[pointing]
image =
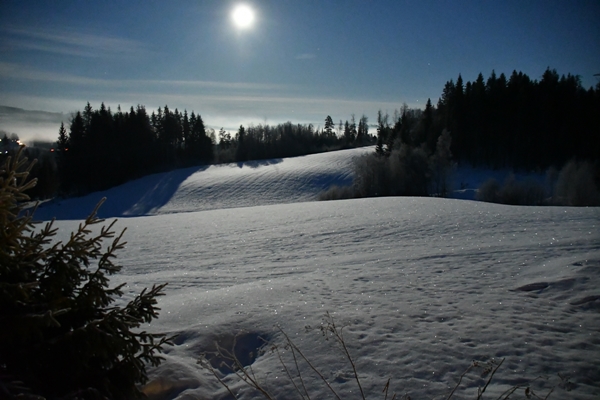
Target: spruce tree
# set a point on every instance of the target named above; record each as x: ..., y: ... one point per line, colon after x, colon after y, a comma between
x: 61, y: 336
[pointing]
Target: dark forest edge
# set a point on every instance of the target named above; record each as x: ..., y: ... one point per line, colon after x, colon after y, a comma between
x: 552, y: 125
x: 501, y: 122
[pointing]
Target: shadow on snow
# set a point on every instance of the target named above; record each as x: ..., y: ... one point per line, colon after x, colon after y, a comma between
x: 142, y: 196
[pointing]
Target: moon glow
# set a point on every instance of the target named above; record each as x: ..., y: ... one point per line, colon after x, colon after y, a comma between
x: 242, y: 16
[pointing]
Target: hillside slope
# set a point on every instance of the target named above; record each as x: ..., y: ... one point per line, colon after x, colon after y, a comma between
x: 252, y: 183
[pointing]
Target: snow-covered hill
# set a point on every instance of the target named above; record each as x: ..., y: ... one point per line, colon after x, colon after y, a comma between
x: 423, y: 285
x: 212, y: 187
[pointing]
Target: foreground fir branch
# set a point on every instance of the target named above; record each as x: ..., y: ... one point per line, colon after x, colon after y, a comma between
x: 61, y: 336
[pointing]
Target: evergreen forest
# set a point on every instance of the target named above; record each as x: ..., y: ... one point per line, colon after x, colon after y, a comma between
x: 498, y: 122
x: 101, y: 148
x: 517, y: 122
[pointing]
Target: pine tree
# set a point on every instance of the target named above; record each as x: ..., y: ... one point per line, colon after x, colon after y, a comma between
x: 348, y: 138
x: 62, y: 148
x: 353, y: 131
x: 77, y: 134
x: 198, y: 145
x: 241, y: 153
x: 405, y: 125
x: 224, y: 139
x: 381, y: 134
x: 61, y: 336
x: 76, y: 163
x: 329, y: 127
x: 63, y: 138
x: 88, y: 111
x: 362, y: 136
x: 428, y: 134
x: 442, y: 164
x: 206, y: 152
x: 186, y: 124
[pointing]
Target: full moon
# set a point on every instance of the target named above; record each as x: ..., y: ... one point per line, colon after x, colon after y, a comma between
x: 242, y: 16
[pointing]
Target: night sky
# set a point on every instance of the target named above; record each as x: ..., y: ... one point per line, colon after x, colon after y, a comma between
x: 298, y: 61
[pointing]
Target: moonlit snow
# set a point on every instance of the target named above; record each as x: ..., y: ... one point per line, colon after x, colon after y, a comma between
x: 423, y: 285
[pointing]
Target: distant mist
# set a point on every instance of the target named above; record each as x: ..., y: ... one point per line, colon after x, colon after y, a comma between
x: 31, y: 125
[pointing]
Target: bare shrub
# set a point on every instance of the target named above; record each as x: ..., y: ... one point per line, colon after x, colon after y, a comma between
x: 576, y: 185
x: 489, y: 191
x: 336, y: 192
x: 371, y: 175
x: 513, y: 192
x: 442, y: 166
x: 528, y: 193
x: 292, y: 365
x: 297, y: 367
x: 405, y: 172
x: 411, y: 172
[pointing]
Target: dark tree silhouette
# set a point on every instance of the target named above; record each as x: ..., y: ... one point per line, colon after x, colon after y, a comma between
x: 520, y: 122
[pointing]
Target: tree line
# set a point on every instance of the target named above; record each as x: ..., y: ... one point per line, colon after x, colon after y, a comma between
x: 291, y: 140
x: 516, y: 122
x: 102, y: 148
x: 519, y: 122
x: 495, y: 122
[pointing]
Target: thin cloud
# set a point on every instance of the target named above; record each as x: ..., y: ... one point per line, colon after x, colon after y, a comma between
x: 232, y: 111
x: 71, y: 42
x: 305, y: 56
x: 281, y: 108
x: 257, y: 98
x: 18, y: 71
x: 219, y: 85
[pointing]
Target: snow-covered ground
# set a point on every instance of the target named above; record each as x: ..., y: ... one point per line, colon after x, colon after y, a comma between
x: 423, y: 285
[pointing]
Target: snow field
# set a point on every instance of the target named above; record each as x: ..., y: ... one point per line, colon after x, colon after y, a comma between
x: 424, y: 285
